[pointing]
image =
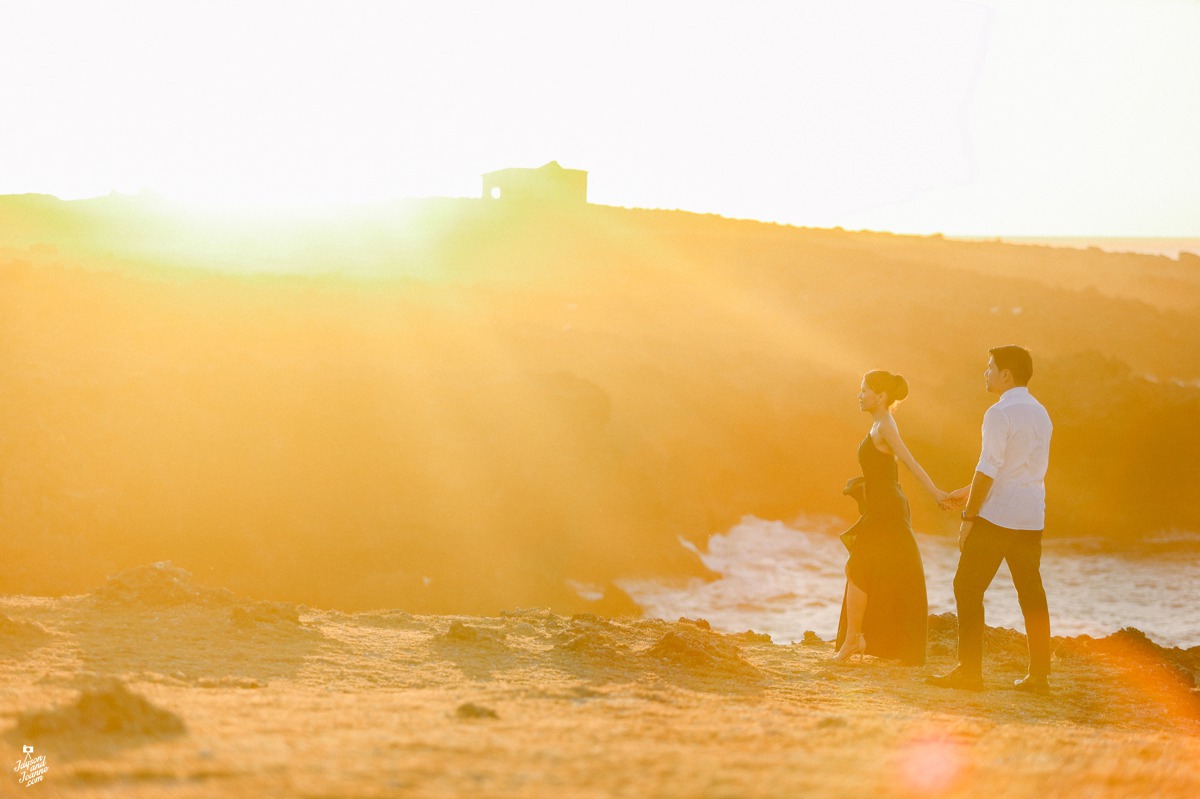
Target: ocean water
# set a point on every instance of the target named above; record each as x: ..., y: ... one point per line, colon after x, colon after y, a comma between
x: 785, y: 579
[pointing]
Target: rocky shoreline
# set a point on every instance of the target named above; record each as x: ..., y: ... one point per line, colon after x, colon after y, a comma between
x: 154, y: 685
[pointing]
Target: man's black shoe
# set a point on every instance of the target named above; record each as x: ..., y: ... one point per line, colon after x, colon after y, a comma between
x: 956, y: 679
x: 1032, y: 685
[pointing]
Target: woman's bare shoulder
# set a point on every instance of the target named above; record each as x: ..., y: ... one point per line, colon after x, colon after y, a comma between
x: 881, y: 432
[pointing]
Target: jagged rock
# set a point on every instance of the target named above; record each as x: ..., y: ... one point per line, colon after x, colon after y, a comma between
x: 111, y: 709
x: 161, y: 583
x: 265, y: 612
x: 701, y: 623
x: 470, y: 710
x: 699, y: 651
x: 755, y: 638
x: 460, y: 633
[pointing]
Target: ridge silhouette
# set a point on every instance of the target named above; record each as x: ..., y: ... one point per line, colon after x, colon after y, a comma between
x: 459, y: 406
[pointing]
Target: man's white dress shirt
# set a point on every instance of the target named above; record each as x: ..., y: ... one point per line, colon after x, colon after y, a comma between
x: 1015, y: 454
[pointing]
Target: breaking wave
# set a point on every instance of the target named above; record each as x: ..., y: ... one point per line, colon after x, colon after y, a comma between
x: 785, y: 579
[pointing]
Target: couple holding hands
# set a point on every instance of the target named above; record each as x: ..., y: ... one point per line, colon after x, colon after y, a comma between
x: 884, y: 611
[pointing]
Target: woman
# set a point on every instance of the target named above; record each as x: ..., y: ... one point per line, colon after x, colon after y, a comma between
x: 884, y: 608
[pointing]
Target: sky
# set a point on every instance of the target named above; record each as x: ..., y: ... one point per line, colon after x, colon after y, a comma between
x: 1054, y: 117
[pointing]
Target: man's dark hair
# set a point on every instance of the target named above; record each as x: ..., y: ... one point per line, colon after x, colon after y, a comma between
x: 1016, y: 360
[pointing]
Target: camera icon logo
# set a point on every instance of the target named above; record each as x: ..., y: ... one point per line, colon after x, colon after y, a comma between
x: 27, y: 749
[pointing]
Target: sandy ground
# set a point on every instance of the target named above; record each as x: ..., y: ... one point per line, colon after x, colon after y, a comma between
x: 154, y: 686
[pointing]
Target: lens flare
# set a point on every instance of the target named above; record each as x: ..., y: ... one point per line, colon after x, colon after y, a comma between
x: 931, y: 765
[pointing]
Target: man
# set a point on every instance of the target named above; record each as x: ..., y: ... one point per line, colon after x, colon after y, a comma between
x: 1003, y: 520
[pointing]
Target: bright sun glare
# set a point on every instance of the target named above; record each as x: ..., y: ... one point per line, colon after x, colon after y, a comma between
x: 1021, y: 118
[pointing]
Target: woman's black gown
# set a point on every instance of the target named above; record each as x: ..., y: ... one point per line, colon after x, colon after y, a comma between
x: 886, y: 564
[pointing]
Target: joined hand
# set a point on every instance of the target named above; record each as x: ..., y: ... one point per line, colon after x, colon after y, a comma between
x: 956, y: 500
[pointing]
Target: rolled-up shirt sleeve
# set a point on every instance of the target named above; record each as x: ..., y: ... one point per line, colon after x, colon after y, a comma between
x: 995, y: 440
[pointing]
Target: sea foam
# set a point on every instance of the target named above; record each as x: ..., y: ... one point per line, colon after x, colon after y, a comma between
x: 784, y: 579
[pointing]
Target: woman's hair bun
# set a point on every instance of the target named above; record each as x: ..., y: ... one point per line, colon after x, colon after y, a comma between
x: 880, y: 381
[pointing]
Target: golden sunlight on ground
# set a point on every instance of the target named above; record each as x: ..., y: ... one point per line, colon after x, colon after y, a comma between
x: 153, y: 685
x: 373, y: 437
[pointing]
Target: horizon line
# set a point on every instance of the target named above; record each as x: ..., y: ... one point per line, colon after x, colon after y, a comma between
x: 299, y: 207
